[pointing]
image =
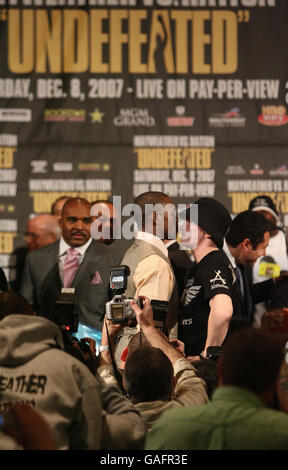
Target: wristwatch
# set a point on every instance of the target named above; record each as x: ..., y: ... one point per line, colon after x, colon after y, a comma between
x: 103, y: 348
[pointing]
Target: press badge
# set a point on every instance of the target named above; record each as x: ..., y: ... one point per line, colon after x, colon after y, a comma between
x: 269, y: 269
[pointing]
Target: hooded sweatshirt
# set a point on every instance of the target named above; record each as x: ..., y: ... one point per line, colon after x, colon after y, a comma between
x: 35, y: 369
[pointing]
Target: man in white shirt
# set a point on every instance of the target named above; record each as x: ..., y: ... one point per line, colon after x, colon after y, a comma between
x: 151, y: 273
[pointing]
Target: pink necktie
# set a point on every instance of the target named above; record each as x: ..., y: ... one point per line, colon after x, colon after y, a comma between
x: 71, y: 265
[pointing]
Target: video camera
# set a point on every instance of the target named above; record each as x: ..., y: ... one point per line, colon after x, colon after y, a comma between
x: 119, y: 309
x: 67, y: 320
x: 65, y: 317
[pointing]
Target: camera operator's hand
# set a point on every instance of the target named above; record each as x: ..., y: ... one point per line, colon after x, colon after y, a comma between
x: 113, y: 330
x: 110, y: 331
x: 178, y: 345
x: 144, y: 316
x: 91, y: 343
x: 156, y: 338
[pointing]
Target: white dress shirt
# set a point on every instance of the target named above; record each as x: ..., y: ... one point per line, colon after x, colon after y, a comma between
x: 153, y: 276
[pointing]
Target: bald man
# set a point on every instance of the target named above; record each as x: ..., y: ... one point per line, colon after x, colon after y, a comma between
x: 41, y: 230
x: 46, y: 271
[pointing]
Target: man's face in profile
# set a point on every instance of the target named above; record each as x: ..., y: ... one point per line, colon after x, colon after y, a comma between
x: 248, y: 255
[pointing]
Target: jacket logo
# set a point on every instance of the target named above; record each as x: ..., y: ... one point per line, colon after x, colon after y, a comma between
x: 218, y: 281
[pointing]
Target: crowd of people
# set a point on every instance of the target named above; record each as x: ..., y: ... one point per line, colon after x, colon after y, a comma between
x: 199, y: 360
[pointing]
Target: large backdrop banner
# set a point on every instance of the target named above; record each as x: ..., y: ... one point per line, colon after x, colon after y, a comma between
x: 117, y: 97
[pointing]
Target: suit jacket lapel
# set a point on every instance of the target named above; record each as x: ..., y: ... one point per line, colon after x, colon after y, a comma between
x: 53, y: 277
x: 248, y: 297
x: 55, y: 256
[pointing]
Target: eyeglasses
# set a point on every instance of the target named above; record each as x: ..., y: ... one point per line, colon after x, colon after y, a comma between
x: 34, y: 235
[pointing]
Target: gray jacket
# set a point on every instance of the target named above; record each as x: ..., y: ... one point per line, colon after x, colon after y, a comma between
x: 41, y: 282
x: 81, y: 410
x: 35, y: 369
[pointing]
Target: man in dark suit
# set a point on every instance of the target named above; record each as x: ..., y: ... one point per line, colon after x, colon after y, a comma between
x: 3, y: 281
x: 41, y: 230
x: 247, y: 240
x: 76, y: 261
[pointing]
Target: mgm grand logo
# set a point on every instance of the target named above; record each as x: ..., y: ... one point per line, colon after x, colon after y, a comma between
x: 134, y: 117
x: 64, y: 115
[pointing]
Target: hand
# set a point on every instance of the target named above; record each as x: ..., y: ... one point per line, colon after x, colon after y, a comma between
x: 113, y: 330
x: 29, y: 429
x: 144, y: 316
x: 179, y: 346
x: 193, y: 358
x: 92, y: 344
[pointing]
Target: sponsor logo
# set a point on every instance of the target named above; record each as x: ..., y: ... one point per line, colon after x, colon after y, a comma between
x: 281, y: 170
x: 218, y: 281
x: 134, y: 117
x: 63, y: 166
x: 9, y: 208
x: 89, y: 166
x: 273, y: 116
x: 5, y: 260
x: 234, y: 170
x: 256, y: 170
x: 8, y: 175
x: 231, y: 118
x: 180, y: 120
x: 15, y: 115
x: 38, y: 166
x: 64, y: 115
x: 96, y: 116
x: 8, y: 225
x: 8, y: 140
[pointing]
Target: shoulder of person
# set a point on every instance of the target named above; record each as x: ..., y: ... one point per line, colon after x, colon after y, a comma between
x: 105, y: 250
x: 43, y: 251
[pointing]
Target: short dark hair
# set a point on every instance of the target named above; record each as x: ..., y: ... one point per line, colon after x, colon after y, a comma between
x: 252, y: 359
x: 247, y: 224
x: 149, y: 198
x: 137, y: 341
x: 148, y: 375
x: 13, y: 303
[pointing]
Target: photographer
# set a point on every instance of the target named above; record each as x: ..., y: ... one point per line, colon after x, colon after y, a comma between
x: 79, y: 408
x: 35, y: 370
x: 118, y: 412
x: 156, y: 375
